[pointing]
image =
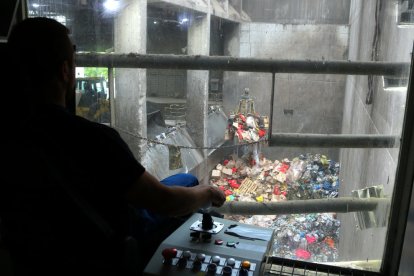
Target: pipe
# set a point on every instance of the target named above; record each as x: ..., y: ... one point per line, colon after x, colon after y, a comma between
x: 272, y: 102
x: 332, y: 205
x: 111, y: 87
x: 227, y: 63
x: 334, y: 140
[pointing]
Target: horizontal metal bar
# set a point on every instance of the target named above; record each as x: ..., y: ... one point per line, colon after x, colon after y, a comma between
x: 334, y: 140
x: 335, y: 205
x: 227, y: 63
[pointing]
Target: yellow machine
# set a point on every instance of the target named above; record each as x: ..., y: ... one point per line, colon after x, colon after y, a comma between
x: 92, y: 99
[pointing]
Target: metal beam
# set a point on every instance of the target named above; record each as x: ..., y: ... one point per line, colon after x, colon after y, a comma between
x: 334, y: 140
x: 227, y: 63
x: 334, y: 205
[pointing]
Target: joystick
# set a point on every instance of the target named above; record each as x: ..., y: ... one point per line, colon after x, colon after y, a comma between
x: 207, y: 222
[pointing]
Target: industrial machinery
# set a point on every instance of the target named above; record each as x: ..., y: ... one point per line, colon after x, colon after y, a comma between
x: 92, y: 99
x: 205, y: 245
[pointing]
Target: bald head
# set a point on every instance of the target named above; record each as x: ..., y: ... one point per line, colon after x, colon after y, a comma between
x: 38, y: 48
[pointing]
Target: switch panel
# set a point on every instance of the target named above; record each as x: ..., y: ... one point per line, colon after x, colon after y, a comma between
x: 186, y: 253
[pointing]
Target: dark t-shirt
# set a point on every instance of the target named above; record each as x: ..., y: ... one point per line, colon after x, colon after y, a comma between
x: 46, y: 229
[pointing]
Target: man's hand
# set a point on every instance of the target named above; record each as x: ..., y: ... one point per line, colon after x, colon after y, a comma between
x: 217, y: 196
x: 147, y: 192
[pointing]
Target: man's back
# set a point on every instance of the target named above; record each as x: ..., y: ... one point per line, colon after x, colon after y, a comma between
x: 63, y: 213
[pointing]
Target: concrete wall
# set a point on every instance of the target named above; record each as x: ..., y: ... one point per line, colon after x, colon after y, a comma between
x: 131, y: 84
x: 298, y: 11
x: 367, y: 167
x: 303, y: 103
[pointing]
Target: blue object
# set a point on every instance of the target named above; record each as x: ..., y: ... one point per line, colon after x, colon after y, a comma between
x: 327, y: 185
x: 149, y: 220
x: 181, y: 179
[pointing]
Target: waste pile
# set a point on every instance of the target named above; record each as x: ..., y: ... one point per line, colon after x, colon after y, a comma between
x: 311, y: 237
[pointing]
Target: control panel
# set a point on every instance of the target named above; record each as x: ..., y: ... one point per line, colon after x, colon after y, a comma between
x: 206, y: 245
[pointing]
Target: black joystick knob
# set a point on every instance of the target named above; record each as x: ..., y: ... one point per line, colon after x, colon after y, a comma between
x: 182, y: 263
x: 211, y: 269
x: 197, y: 265
x: 227, y: 270
x: 207, y: 222
x: 243, y: 272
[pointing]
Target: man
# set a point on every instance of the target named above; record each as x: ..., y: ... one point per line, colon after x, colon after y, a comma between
x: 62, y: 214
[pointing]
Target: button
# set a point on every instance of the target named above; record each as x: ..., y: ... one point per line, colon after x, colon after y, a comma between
x: 215, y: 259
x: 169, y: 253
x: 211, y: 269
x: 218, y: 242
x: 187, y: 254
x: 227, y: 270
x: 245, y: 265
x: 200, y: 257
x: 231, y: 262
x: 231, y: 244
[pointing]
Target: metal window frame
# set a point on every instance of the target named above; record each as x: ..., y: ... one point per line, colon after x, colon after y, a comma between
x: 405, y: 172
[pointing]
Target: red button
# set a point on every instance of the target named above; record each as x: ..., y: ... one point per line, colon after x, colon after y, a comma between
x: 218, y: 242
x: 169, y: 253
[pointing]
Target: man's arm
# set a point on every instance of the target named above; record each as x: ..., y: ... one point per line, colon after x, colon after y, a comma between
x: 147, y: 192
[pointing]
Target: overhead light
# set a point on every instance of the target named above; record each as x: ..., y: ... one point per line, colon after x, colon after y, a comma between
x: 184, y: 20
x: 112, y: 5
x: 35, y: 5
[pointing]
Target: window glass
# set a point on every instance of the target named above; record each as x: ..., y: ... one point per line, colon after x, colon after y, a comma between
x: 215, y: 123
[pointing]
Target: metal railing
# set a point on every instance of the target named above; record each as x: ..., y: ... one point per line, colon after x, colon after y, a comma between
x: 181, y: 62
x: 225, y: 63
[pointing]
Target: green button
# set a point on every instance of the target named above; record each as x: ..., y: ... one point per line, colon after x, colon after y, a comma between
x: 231, y: 244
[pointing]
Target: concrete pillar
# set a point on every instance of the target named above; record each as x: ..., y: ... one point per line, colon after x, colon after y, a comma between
x: 130, y: 84
x: 197, y: 81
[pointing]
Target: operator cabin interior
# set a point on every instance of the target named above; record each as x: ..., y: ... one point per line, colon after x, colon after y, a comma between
x: 301, y: 111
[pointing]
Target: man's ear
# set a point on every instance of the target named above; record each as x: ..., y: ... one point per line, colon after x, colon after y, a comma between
x: 66, y: 71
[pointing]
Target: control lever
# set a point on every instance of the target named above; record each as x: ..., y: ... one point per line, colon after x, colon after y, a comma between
x: 206, y: 208
x: 207, y: 222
